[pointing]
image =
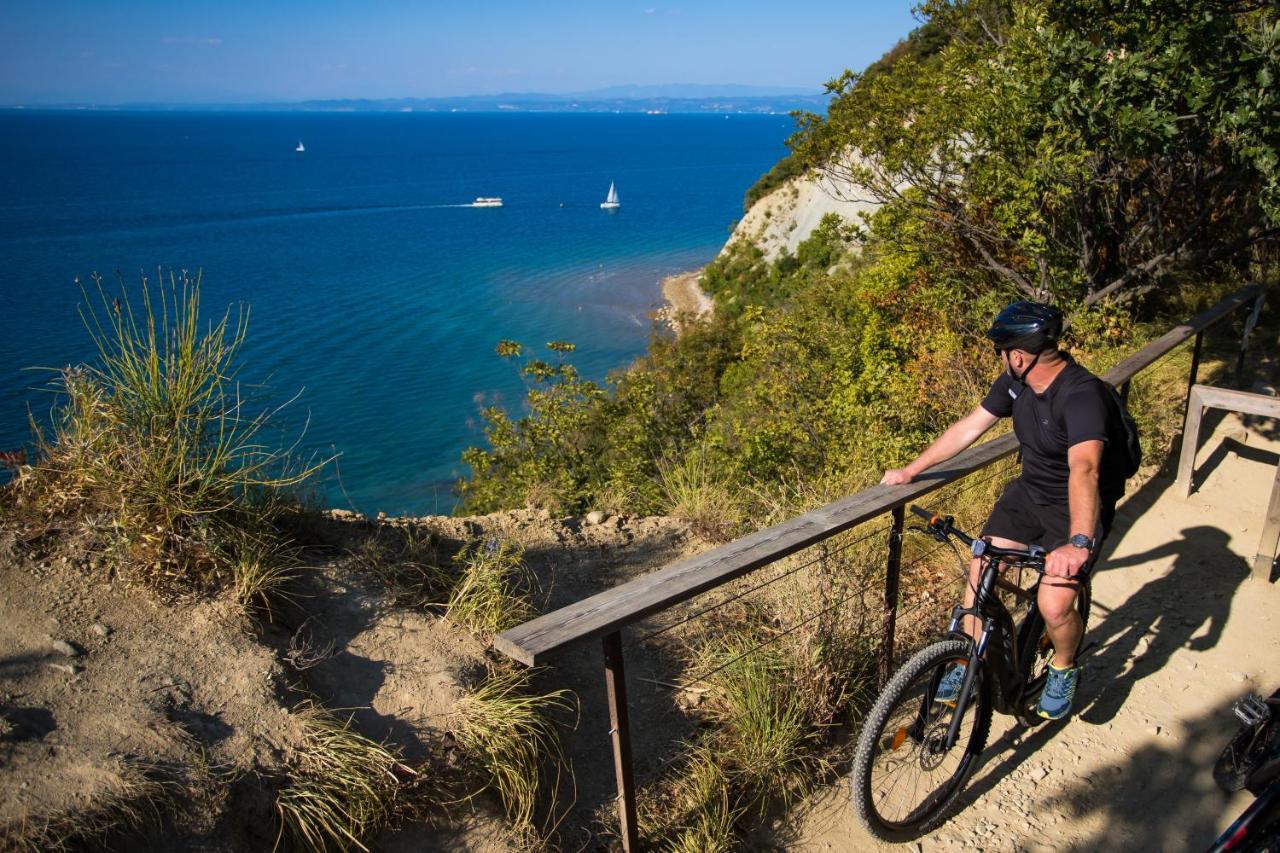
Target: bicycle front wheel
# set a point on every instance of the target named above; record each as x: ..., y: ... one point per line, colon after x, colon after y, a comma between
x: 904, y: 775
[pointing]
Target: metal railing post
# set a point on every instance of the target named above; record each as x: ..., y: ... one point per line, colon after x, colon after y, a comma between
x: 1249, y: 323
x: 620, y: 732
x: 893, y: 569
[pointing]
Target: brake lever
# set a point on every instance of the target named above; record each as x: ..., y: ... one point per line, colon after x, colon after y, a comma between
x: 928, y: 530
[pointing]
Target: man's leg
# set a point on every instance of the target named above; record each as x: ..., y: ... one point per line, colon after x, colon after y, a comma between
x: 953, y: 680
x: 971, y: 625
x: 1057, y: 603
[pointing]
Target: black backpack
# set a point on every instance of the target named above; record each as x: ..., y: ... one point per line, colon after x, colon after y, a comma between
x: 1131, y: 449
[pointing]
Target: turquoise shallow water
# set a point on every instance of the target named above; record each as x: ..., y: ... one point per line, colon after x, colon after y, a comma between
x: 373, y: 294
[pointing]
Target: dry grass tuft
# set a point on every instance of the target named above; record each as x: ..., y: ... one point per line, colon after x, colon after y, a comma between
x: 510, y: 735
x: 405, y: 559
x: 158, y: 451
x: 344, y: 786
x: 695, y: 491
x: 492, y: 592
x: 142, y: 796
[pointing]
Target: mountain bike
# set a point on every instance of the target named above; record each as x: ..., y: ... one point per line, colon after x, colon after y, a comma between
x: 1252, y: 760
x: 915, y: 754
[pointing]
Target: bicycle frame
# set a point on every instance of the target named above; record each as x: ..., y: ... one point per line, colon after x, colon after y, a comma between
x: 1003, y: 663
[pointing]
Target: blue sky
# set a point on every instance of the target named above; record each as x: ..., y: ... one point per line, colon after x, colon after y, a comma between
x: 100, y: 51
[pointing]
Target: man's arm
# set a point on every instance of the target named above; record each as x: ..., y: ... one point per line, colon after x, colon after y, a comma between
x: 958, y: 436
x: 1084, y: 459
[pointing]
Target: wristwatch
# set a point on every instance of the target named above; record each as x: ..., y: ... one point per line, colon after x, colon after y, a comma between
x: 1081, y: 541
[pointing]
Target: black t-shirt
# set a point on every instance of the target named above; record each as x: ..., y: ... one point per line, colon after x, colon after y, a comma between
x: 1075, y: 407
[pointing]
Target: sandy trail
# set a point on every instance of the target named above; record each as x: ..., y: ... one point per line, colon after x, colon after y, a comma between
x: 1180, y: 631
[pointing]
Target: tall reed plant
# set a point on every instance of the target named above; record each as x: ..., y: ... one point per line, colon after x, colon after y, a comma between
x: 157, y: 442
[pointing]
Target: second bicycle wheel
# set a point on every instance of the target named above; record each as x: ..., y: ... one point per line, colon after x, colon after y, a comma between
x: 904, y: 776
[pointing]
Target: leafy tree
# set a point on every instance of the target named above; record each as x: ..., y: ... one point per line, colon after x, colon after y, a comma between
x: 1074, y: 150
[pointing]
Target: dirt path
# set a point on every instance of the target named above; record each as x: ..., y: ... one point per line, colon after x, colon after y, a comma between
x: 1180, y: 630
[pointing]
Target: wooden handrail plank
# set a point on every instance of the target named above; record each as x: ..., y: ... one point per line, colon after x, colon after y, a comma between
x: 608, y: 611
x: 1244, y: 402
x: 1157, y: 349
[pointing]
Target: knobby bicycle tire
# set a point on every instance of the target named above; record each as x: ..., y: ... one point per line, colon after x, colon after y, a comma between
x: 1035, y: 651
x: 923, y: 668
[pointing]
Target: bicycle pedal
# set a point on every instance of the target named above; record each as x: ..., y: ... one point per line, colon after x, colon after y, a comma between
x: 1251, y: 710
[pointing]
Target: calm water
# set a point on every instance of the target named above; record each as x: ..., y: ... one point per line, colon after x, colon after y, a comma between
x: 373, y: 293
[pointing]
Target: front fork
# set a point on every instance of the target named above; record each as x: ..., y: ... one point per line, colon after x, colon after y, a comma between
x: 972, y: 669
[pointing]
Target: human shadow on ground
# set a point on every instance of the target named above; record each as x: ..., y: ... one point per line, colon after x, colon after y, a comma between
x: 1187, y: 607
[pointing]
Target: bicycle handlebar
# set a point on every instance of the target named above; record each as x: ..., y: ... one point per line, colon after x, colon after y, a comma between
x: 941, y: 527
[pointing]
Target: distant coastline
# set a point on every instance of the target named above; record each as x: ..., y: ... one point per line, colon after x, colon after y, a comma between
x: 624, y: 99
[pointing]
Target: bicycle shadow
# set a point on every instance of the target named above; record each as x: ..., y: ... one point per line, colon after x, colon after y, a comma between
x: 1165, y: 775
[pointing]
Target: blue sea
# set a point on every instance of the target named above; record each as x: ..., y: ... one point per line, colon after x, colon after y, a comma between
x: 376, y: 295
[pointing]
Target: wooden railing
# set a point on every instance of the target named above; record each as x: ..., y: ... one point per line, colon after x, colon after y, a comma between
x: 607, y: 613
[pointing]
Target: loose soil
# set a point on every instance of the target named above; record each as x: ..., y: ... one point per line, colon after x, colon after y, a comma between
x: 104, y: 687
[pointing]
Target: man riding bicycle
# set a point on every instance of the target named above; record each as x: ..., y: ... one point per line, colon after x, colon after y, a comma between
x: 1065, y: 497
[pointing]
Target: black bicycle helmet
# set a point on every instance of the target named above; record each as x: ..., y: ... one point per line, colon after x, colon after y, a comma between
x: 1027, y: 326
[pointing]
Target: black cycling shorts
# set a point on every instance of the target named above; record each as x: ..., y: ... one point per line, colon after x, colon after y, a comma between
x: 1015, y: 516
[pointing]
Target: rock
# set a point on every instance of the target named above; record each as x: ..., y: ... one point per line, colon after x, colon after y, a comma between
x: 595, y: 517
x: 64, y: 648
x: 1041, y: 774
x: 68, y: 668
x: 1154, y: 731
x: 100, y: 629
x: 382, y: 516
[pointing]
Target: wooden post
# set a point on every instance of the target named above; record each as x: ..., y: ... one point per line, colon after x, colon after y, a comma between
x: 1270, y: 540
x: 893, y: 569
x: 1190, y: 440
x: 1195, y: 370
x: 620, y: 732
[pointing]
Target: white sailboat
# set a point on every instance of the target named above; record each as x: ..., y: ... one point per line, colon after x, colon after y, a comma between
x: 300, y: 147
x: 611, y: 201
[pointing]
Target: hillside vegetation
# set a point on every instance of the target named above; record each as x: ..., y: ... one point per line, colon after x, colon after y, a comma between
x: 1119, y: 161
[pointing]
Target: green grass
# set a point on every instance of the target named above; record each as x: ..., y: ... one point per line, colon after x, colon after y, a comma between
x: 694, y: 490
x: 704, y: 797
x: 491, y: 592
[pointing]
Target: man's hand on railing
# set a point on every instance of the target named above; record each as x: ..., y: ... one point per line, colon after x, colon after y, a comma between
x: 897, y: 477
